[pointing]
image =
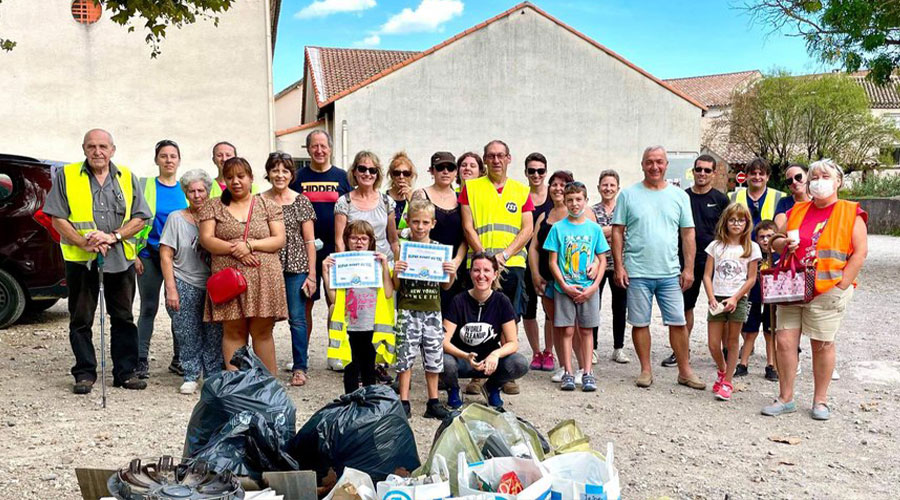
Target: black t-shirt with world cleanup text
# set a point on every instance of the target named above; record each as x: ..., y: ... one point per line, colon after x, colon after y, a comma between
x: 479, y: 327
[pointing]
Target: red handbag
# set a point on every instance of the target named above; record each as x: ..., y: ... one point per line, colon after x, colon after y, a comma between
x: 790, y: 282
x: 229, y: 283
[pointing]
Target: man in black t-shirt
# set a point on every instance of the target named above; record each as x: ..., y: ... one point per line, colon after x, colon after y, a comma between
x: 323, y: 183
x: 707, y: 205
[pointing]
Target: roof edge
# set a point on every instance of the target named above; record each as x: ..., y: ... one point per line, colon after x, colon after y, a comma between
x: 712, y: 75
x: 291, y: 130
x: 483, y: 24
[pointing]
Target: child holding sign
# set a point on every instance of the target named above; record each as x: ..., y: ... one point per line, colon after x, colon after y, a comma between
x: 419, y: 322
x: 359, y: 310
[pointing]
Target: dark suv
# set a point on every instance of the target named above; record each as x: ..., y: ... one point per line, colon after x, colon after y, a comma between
x: 32, y: 270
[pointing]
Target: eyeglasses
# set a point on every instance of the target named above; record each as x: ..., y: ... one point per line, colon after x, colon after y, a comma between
x: 497, y: 156
x: 362, y: 169
x: 536, y: 171
x: 737, y: 222
x: 449, y: 167
x: 358, y: 238
x: 702, y: 170
x: 796, y: 178
x: 401, y: 173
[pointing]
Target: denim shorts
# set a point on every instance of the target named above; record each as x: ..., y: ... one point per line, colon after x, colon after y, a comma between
x: 668, y: 297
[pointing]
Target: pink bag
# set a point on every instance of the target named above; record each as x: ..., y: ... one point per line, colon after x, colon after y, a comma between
x: 790, y: 282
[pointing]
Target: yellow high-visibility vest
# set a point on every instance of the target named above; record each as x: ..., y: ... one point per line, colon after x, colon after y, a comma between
x: 767, y: 212
x: 498, y: 217
x: 81, y: 208
x: 383, y: 339
x: 149, y: 184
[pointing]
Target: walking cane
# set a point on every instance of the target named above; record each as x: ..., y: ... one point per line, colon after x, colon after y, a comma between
x: 102, y: 332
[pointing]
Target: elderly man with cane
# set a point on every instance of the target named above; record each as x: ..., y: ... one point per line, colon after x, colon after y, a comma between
x: 97, y: 207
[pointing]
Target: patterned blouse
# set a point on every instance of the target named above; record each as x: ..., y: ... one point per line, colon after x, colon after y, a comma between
x: 605, y: 219
x: 293, y: 255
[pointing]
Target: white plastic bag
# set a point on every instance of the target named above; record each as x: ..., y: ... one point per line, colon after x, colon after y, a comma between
x: 394, y: 487
x: 583, y: 475
x: 529, y: 471
x: 360, y: 480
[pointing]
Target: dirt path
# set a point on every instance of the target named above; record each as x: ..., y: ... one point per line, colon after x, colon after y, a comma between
x: 670, y: 440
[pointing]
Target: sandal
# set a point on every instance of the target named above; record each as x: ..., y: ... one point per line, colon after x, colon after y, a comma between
x: 298, y: 378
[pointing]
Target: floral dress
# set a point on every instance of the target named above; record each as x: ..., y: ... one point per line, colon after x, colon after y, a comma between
x: 265, y: 296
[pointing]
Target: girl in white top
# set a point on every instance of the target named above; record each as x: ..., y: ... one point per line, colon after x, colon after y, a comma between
x: 729, y: 275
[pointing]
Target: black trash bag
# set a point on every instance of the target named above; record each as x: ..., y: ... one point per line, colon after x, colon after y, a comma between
x: 247, y: 445
x: 366, y: 430
x: 226, y: 395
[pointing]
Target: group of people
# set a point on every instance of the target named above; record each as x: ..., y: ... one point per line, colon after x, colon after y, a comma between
x: 512, y: 243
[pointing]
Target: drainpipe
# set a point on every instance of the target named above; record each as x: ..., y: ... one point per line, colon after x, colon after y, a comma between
x: 345, y: 131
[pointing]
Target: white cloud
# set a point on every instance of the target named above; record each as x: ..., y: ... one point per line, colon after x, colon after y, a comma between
x: 322, y: 8
x: 428, y: 16
x: 369, y: 41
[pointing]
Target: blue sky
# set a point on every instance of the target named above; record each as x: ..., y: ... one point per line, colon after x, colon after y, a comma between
x: 669, y: 39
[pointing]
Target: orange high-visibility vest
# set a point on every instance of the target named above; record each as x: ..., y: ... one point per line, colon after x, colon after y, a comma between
x: 835, y: 243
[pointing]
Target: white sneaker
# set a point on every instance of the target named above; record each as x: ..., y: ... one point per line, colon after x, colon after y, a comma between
x: 557, y: 375
x: 835, y: 375
x: 595, y: 357
x: 188, y: 387
x: 335, y: 365
x: 619, y: 356
x: 578, y: 375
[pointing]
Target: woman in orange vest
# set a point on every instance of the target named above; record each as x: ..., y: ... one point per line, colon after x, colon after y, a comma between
x: 831, y: 234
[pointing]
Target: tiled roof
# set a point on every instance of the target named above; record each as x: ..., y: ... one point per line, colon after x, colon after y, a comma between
x: 335, y: 70
x: 715, y: 90
x: 336, y: 73
x: 881, y: 96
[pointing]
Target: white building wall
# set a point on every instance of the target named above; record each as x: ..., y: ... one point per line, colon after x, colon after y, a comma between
x: 287, y: 109
x: 530, y: 82
x: 63, y: 78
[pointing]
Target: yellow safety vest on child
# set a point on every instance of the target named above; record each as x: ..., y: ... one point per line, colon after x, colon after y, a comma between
x: 383, y: 339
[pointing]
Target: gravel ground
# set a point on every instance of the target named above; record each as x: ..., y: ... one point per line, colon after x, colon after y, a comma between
x: 670, y: 441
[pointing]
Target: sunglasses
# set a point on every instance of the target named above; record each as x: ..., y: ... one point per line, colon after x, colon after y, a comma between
x: 166, y: 142
x: 701, y: 170
x: 575, y: 183
x: 536, y: 171
x: 281, y: 154
x: 796, y: 178
x: 449, y: 167
x: 362, y: 169
x: 401, y: 173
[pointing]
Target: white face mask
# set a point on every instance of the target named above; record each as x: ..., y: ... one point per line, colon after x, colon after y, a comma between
x: 821, y: 188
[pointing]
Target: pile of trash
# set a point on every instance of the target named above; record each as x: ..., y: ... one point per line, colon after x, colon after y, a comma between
x: 362, y: 448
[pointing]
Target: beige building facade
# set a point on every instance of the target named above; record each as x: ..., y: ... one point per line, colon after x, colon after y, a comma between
x: 523, y: 77
x: 209, y: 84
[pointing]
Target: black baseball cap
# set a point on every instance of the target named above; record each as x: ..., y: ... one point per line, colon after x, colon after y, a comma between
x: 443, y: 157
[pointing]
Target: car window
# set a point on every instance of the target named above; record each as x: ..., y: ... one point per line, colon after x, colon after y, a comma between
x: 6, y: 187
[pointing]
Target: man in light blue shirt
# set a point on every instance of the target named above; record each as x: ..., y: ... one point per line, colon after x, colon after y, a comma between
x: 652, y: 214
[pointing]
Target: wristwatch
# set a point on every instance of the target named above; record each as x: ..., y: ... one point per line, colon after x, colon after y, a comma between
x: 118, y: 236
x: 505, y: 255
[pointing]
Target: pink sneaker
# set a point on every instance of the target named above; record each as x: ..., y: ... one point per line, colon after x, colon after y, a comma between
x: 537, y: 361
x: 724, y: 392
x: 720, y: 377
x: 549, y: 363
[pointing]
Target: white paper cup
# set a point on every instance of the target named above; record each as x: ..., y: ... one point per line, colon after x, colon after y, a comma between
x: 794, y: 235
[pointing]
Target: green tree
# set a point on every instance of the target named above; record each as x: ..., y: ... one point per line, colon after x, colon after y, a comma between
x: 786, y: 118
x: 854, y: 33
x: 155, y: 16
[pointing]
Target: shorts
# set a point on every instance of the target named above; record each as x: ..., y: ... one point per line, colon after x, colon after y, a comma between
x: 758, y: 315
x: 820, y: 318
x: 531, y: 301
x: 419, y: 331
x: 668, y: 297
x: 512, y: 284
x: 565, y: 311
x: 692, y: 293
x: 739, y: 314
